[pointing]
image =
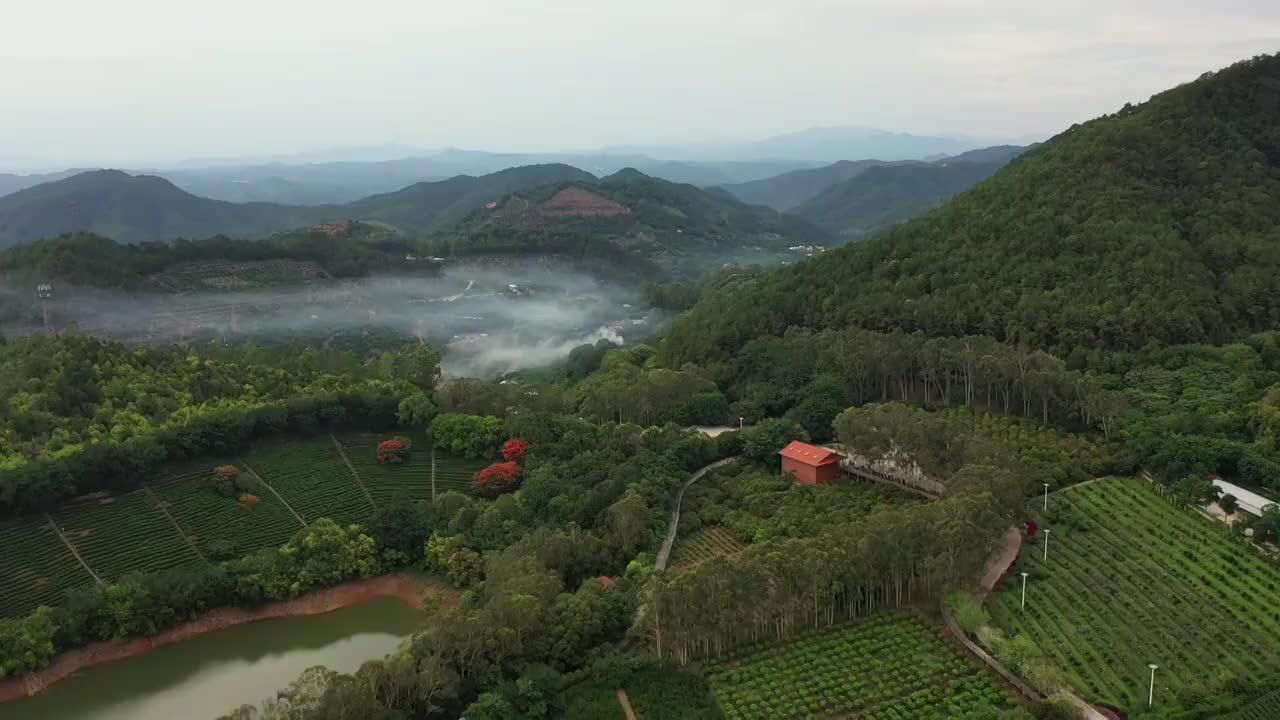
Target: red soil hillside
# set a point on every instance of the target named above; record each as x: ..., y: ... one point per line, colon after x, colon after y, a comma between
x: 581, y: 203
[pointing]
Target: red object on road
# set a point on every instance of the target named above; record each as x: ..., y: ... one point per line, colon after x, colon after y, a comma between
x: 1031, y: 528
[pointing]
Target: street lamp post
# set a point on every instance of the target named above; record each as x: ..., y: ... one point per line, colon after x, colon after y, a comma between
x: 1024, y: 591
x: 1046, y: 544
x: 1151, y: 693
x: 1046, y: 496
x: 740, y: 419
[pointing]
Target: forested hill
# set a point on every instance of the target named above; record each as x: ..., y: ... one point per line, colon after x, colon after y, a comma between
x: 424, y: 204
x: 630, y: 218
x: 786, y: 191
x: 133, y: 208
x: 885, y: 195
x: 140, y: 208
x: 1157, y: 223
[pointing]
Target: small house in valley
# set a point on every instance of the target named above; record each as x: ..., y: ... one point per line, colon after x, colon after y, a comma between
x: 810, y: 464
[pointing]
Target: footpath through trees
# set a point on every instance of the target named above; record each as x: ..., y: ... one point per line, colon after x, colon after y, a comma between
x: 664, y: 553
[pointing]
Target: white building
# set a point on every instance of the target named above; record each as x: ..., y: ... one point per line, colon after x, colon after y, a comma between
x: 1248, y: 501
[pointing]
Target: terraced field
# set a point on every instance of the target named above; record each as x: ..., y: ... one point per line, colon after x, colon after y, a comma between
x: 410, y: 479
x: 118, y: 535
x: 892, y: 666
x: 703, y: 545
x: 207, y: 516
x: 121, y: 534
x: 36, y: 567
x: 1132, y: 580
x: 454, y: 473
x: 313, y: 479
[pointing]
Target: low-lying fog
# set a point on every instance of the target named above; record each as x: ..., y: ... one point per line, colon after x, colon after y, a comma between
x: 483, y: 321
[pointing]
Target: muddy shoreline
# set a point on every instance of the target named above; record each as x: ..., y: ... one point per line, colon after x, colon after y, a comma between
x: 402, y: 587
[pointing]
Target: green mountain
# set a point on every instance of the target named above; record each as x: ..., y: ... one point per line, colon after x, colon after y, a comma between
x: 631, y: 219
x: 885, y: 195
x: 133, y: 208
x: 1157, y: 224
x: 136, y: 208
x: 786, y: 191
x: 425, y: 204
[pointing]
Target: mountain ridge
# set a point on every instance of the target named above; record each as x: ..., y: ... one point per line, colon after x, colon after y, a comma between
x: 1157, y: 223
x: 139, y: 208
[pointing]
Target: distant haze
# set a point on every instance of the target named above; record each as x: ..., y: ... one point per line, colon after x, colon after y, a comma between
x: 135, y: 83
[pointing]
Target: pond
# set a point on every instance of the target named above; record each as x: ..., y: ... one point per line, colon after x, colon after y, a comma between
x: 212, y: 674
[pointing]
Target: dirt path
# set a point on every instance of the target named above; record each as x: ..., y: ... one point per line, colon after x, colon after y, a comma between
x: 660, y: 563
x: 267, y: 485
x: 163, y: 507
x: 626, y: 704
x: 355, y: 474
x: 999, y: 563
x: 76, y: 553
x: 402, y: 587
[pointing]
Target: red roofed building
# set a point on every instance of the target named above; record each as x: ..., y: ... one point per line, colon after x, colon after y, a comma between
x: 810, y: 464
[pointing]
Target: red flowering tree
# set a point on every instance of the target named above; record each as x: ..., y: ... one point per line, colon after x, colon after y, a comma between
x: 497, y: 479
x: 1031, y: 528
x: 392, y: 451
x: 514, y: 450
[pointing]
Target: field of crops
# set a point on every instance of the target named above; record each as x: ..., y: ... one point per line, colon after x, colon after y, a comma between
x: 654, y: 695
x: 207, y: 516
x: 124, y: 533
x: 1132, y: 580
x: 704, y: 545
x: 35, y: 567
x: 454, y: 472
x: 1266, y: 707
x: 891, y: 666
x: 410, y: 479
x: 312, y: 478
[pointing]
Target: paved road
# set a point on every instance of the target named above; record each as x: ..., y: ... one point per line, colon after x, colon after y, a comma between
x: 661, y: 563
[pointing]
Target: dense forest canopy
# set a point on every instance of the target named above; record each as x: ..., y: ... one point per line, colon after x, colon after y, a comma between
x: 87, y: 259
x: 1157, y: 223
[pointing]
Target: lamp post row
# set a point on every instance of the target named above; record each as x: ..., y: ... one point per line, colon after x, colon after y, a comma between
x: 1151, y: 689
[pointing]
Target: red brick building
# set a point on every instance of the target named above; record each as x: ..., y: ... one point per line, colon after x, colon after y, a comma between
x: 810, y: 464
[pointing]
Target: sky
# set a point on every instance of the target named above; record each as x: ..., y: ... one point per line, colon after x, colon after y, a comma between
x: 148, y: 82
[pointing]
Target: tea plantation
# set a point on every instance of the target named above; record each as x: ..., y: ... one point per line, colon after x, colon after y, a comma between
x: 891, y: 666
x: 1132, y: 580
x: 179, y: 518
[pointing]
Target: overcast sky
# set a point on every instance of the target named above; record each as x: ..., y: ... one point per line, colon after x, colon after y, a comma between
x: 133, y: 82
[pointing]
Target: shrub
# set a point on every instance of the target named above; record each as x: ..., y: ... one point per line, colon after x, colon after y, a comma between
x: 514, y: 450
x: 224, y: 480
x: 497, y: 479
x: 222, y: 549
x: 968, y: 614
x: 392, y: 451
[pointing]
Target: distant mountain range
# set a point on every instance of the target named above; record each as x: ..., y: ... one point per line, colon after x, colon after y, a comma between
x: 785, y: 191
x: 136, y: 208
x: 343, y: 175
x: 338, y: 182
x: 559, y: 209
x: 854, y: 198
x: 887, y: 194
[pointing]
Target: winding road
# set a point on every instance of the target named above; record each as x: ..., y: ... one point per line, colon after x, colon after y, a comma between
x: 665, y: 552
